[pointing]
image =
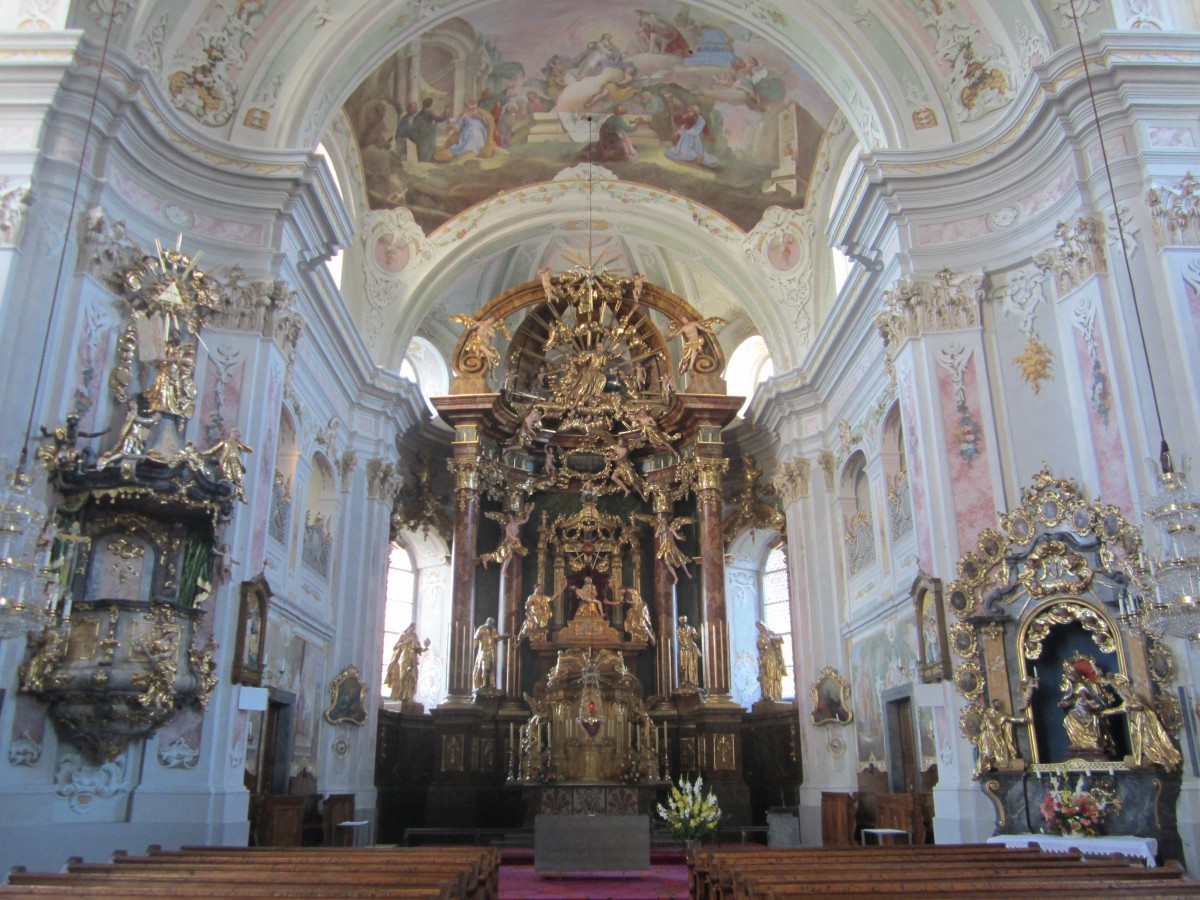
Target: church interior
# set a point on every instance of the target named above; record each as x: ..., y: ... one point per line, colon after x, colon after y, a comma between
x: 424, y: 419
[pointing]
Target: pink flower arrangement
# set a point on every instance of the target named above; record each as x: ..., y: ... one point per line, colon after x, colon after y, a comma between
x: 1077, y: 811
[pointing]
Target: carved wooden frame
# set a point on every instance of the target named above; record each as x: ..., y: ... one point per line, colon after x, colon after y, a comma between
x: 926, y: 592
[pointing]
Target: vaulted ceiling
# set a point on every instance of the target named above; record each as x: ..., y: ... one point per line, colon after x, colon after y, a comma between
x: 788, y: 91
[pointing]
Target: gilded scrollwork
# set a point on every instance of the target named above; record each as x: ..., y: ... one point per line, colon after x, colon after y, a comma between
x: 1052, y: 569
x: 1060, y: 614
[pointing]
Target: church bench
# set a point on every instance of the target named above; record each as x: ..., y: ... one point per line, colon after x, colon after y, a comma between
x: 483, y: 861
x: 965, y: 882
x: 704, y: 863
x: 62, y: 884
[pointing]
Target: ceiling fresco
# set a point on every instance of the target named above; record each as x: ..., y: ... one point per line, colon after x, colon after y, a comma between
x: 660, y: 94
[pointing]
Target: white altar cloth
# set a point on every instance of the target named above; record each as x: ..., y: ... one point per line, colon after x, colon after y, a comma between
x: 1130, y: 845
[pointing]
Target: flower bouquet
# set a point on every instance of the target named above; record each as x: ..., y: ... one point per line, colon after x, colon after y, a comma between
x: 690, y: 814
x: 630, y: 771
x: 1078, y: 811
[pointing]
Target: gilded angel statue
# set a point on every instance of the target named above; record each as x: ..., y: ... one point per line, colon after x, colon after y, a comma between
x: 666, y: 540
x: 480, y: 336
x: 510, y: 543
x: 693, y: 331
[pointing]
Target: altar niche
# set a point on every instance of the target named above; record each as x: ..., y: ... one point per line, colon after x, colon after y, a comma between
x: 1058, y: 683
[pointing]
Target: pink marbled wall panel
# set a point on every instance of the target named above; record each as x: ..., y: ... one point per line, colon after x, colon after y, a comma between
x: 952, y: 232
x: 967, y: 452
x: 1193, y: 300
x: 221, y: 396
x: 1102, y: 418
x: 1170, y: 137
x: 916, y: 471
x: 1039, y: 200
x: 220, y: 229
x: 272, y: 403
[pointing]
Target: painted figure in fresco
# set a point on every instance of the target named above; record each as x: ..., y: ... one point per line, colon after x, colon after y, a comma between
x: 1149, y: 743
x: 614, y: 144
x: 228, y: 456
x: 537, y: 615
x: 423, y: 130
x: 997, y: 749
x: 403, y: 668
x: 483, y: 674
x: 688, y: 639
x: 473, y: 133
x: 689, y: 141
x: 771, y: 665
x: 616, y: 92
x: 657, y: 35
x: 637, y: 617
x: 404, y: 128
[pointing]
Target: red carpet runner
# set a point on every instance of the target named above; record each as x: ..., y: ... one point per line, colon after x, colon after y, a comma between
x: 519, y: 881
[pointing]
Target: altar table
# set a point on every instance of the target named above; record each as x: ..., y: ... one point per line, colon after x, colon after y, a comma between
x: 591, y: 843
x: 1130, y: 845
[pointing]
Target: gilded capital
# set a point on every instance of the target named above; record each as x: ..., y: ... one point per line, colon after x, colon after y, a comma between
x: 710, y: 473
x: 465, y: 472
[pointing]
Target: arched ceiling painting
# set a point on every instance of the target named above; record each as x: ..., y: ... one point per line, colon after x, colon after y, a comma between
x: 681, y: 100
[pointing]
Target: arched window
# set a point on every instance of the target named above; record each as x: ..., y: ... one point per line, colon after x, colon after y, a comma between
x: 777, y: 608
x: 749, y: 365
x: 399, y: 608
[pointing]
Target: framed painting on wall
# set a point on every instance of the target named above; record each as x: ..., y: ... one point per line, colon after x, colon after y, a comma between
x: 933, y: 646
x: 252, y: 625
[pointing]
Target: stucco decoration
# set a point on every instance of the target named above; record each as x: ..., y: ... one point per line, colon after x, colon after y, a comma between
x: 1075, y: 256
x: 1020, y: 299
x: 913, y: 308
x: 977, y: 74
x: 781, y: 243
x: 206, y: 86
x: 1175, y: 211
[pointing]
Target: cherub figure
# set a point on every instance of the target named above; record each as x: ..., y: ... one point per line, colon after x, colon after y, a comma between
x: 480, y: 335
x: 623, y: 475
x: 134, y: 431
x: 549, y: 289
x: 639, y: 285
x: 527, y: 431
x: 510, y: 543
x: 666, y: 540
x: 693, y: 331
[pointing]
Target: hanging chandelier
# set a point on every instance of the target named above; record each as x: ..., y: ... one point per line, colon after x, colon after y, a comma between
x: 1167, y: 602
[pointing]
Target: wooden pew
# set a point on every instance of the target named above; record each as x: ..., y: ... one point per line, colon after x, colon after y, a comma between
x: 962, y: 870
x: 433, y: 873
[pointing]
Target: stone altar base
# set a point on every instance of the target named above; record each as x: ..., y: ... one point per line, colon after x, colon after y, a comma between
x: 591, y: 843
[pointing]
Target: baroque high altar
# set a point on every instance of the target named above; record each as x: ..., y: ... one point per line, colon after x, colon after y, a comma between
x: 589, y: 649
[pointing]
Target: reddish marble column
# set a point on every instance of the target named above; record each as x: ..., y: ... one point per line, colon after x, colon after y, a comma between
x: 716, y: 674
x: 510, y: 624
x: 462, y: 615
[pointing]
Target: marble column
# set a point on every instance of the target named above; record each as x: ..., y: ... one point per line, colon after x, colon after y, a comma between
x: 462, y: 598
x: 715, y: 652
x: 510, y: 624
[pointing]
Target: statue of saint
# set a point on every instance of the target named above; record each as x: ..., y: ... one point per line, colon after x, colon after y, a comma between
x: 689, y: 654
x: 771, y: 665
x: 997, y: 749
x: 1085, y: 698
x: 227, y: 454
x: 589, y: 599
x: 406, y: 658
x: 537, y: 615
x: 637, y: 617
x: 483, y: 675
x: 1149, y: 743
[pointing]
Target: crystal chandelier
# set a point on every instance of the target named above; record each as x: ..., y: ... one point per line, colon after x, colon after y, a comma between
x: 1167, y: 602
x: 22, y: 589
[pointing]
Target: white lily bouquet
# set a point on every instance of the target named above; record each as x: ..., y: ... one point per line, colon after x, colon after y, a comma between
x: 689, y: 813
